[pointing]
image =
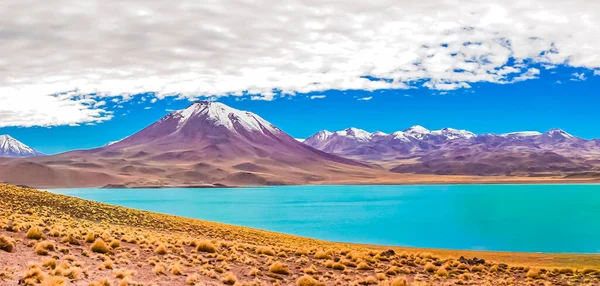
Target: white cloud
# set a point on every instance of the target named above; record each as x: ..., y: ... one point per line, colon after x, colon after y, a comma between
x: 578, y: 76
x: 317, y: 97
x: 235, y: 47
x: 366, y: 98
x: 34, y: 109
x: 596, y: 72
x: 531, y: 73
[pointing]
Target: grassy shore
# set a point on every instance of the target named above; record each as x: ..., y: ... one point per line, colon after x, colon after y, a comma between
x: 52, y: 239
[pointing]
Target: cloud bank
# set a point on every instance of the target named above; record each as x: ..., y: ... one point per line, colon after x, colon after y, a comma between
x: 239, y: 47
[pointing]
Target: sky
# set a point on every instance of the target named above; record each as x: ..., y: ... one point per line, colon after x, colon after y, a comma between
x: 80, y: 74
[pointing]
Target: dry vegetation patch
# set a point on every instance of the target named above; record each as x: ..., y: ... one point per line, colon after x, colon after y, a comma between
x: 49, y: 239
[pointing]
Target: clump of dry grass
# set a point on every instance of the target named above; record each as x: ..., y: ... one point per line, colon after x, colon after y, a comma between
x: 279, y: 268
x: 34, y: 233
x: 266, y: 251
x: 229, y: 279
x: 363, y: 266
x: 115, y: 244
x: 50, y: 263
x: 90, y: 237
x: 193, y: 279
x: 399, y: 282
x: 206, y: 246
x: 99, y: 246
x: 176, y: 269
x: 477, y: 268
x: 322, y: 255
x: 442, y: 272
x: 101, y: 282
x: 308, y: 281
x: 338, y: 266
x: 533, y: 273
x: 159, y: 269
x: 429, y: 267
x: 302, y: 251
x: 6, y: 243
x: 161, y: 249
x: 44, y: 247
x: 54, y: 281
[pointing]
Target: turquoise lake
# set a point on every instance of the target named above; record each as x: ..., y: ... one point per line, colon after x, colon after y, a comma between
x: 527, y: 218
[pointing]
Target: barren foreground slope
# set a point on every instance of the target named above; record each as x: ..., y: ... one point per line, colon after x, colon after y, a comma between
x: 51, y: 239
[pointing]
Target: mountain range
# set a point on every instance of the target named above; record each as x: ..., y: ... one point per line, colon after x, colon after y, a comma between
x: 452, y: 152
x: 209, y: 144
x: 206, y: 144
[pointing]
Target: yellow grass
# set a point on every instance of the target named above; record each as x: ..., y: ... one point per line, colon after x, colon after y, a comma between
x: 195, y: 252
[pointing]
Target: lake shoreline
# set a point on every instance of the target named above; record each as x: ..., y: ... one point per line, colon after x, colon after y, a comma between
x: 518, y: 181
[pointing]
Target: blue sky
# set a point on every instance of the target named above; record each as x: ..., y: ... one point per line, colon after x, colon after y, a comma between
x: 557, y: 99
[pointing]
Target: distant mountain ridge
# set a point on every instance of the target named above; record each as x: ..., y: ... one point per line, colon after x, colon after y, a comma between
x: 13, y: 148
x: 205, y: 144
x: 453, y: 151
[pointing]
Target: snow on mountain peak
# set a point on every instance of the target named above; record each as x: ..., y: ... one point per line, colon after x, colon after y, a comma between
x: 521, y: 134
x: 223, y: 115
x: 359, y: 134
x: 400, y: 135
x: 417, y: 131
x: 378, y: 134
x: 451, y: 133
x: 11, y: 147
x: 559, y: 134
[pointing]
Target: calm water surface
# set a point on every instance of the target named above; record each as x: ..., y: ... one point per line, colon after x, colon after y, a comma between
x: 529, y: 218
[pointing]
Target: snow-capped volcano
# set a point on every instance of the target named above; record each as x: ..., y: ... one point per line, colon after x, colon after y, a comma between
x: 223, y: 115
x: 214, y: 131
x: 12, y: 148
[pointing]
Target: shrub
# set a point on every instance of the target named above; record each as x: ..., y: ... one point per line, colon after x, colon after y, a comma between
x: 115, y: 244
x: 322, y: 255
x: 54, y: 281
x: 463, y: 266
x: 159, y: 269
x: 90, y: 237
x: 6, y: 243
x: 302, y: 251
x: 99, y: 246
x: 310, y: 270
x: 533, y: 273
x: 265, y: 251
x: 102, y: 282
x: 308, y: 281
x: 429, y: 267
x: 176, y: 269
x: 193, y: 279
x: 161, y: 249
x: 229, y: 279
x: 399, y: 282
x: 43, y: 247
x: 477, y: 268
x: 338, y: 266
x: 442, y: 272
x: 72, y: 273
x: 34, y: 233
x: 363, y: 266
x: 70, y: 239
x: 279, y: 268
x: 567, y: 271
x: 50, y: 263
x: 206, y: 246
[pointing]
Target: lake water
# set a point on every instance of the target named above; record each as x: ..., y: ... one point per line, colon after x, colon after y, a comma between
x: 528, y: 218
